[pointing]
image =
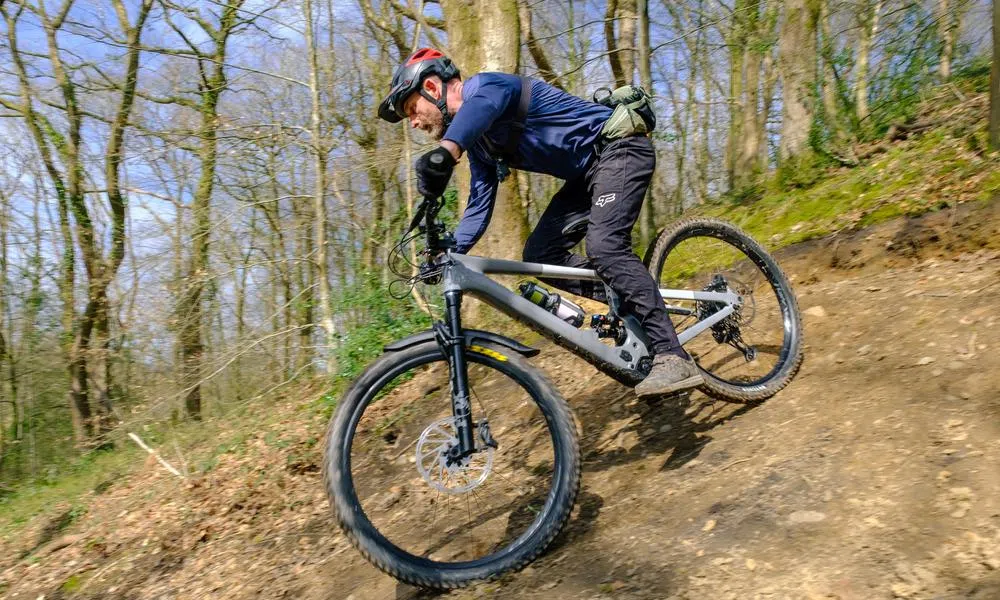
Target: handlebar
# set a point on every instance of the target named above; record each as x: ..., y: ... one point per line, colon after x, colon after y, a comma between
x: 438, y: 239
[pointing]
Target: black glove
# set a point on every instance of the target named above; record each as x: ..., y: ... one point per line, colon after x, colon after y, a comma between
x: 433, y: 171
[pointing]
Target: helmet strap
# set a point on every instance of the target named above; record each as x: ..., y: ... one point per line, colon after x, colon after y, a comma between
x: 441, y: 103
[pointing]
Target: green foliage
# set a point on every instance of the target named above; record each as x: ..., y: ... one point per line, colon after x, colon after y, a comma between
x: 991, y: 186
x: 746, y: 194
x: 894, y: 184
x: 72, y: 584
x: 73, y: 483
x: 974, y: 76
x: 901, y: 85
x: 449, y: 214
x: 64, y: 520
x: 45, y: 451
x: 802, y: 171
x: 236, y: 444
x: 274, y: 440
x: 380, y: 319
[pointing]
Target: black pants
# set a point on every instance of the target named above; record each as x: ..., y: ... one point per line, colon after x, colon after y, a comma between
x: 611, y: 192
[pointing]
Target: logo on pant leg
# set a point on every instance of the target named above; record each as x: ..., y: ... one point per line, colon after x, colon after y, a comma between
x: 605, y: 199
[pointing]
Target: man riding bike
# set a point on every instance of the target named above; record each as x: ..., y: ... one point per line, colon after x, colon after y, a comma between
x: 497, y: 123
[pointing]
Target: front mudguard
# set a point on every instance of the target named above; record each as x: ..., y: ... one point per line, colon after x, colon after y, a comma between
x: 470, y: 335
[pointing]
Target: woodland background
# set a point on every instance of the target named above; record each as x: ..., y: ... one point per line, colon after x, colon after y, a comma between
x: 197, y: 201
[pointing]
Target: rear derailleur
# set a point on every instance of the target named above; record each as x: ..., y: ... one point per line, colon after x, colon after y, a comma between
x: 726, y: 331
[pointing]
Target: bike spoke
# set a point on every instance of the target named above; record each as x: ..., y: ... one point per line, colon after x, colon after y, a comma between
x: 419, y: 512
x: 757, y: 324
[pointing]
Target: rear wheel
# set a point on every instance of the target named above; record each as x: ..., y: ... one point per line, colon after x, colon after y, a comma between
x: 756, y: 351
x: 424, y: 517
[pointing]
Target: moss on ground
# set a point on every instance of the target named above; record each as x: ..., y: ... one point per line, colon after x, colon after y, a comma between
x: 64, y: 498
x: 923, y: 174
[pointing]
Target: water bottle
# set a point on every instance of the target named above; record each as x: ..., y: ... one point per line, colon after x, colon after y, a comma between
x: 554, y: 303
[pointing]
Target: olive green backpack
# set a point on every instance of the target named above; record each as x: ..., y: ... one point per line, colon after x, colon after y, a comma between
x: 633, y: 111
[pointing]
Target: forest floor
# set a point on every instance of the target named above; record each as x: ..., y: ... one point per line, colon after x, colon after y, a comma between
x: 874, y: 475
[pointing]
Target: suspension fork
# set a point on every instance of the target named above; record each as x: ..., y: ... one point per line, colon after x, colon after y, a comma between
x: 450, y: 338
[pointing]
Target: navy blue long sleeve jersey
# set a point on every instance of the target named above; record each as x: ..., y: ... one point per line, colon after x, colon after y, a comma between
x: 558, y: 139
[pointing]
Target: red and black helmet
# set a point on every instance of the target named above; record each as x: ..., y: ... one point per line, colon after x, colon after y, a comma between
x: 409, y: 78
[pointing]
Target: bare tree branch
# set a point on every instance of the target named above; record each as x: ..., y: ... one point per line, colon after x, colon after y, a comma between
x: 536, y: 50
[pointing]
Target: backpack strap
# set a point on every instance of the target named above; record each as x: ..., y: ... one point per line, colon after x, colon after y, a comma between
x: 518, y: 124
x: 509, y: 150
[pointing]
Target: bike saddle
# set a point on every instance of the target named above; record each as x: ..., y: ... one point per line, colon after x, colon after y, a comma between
x: 576, y: 224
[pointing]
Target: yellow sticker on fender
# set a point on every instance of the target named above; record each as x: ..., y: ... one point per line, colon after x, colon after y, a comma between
x: 488, y: 352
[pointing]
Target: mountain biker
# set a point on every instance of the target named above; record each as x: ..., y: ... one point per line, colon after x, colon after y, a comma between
x: 560, y: 135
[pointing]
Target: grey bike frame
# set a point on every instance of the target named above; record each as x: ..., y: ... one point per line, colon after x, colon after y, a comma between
x: 463, y: 273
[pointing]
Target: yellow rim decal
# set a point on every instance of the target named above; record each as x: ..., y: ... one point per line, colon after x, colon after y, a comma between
x: 488, y: 352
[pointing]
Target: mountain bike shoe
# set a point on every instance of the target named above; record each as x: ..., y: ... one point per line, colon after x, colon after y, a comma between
x: 669, y: 374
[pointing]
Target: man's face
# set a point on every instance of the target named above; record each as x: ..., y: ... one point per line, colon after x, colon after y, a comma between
x: 423, y: 114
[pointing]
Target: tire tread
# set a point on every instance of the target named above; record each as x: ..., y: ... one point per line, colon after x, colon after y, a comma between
x: 657, y: 253
x: 447, y: 579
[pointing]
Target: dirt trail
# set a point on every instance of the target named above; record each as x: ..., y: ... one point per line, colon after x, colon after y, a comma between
x: 875, y: 475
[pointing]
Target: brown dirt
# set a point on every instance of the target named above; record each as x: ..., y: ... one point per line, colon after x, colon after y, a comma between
x: 874, y: 475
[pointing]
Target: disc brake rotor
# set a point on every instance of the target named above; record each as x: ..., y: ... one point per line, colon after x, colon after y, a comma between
x: 450, y: 476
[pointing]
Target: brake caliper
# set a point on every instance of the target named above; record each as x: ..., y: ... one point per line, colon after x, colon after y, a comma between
x: 485, y: 436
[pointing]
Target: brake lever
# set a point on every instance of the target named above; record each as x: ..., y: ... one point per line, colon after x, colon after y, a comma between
x: 418, y: 216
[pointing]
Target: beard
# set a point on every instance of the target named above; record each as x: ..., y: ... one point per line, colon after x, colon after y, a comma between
x: 436, y: 131
x: 433, y: 125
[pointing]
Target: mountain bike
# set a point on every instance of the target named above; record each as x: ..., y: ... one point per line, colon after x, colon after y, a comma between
x: 451, y: 459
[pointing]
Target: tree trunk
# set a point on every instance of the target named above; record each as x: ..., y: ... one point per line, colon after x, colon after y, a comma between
x: 117, y: 202
x: 611, y: 41
x: 703, y: 157
x: 798, y: 74
x: 319, y: 200
x: 647, y: 217
x: 190, y: 337
x: 307, y: 279
x: 946, y: 27
x: 368, y: 143
x: 995, y: 81
x: 621, y: 47
x: 736, y: 42
x: 771, y: 75
x: 745, y: 168
x: 577, y: 52
x: 501, y: 52
x: 626, y: 38
x: 191, y: 305
x: 485, y: 36
x: 770, y: 81
x: 283, y: 268
x: 831, y: 108
x: 868, y: 21
x: 100, y: 374
x: 75, y: 204
x: 680, y: 118
x: 5, y: 352
x: 545, y: 70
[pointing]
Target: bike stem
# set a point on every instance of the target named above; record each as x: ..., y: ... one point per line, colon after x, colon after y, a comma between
x: 461, y: 406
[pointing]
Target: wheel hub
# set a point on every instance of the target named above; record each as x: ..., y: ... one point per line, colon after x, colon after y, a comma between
x: 727, y: 331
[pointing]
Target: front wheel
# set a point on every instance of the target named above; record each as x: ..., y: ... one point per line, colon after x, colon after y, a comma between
x: 423, y: 516
x: 756, y: 351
